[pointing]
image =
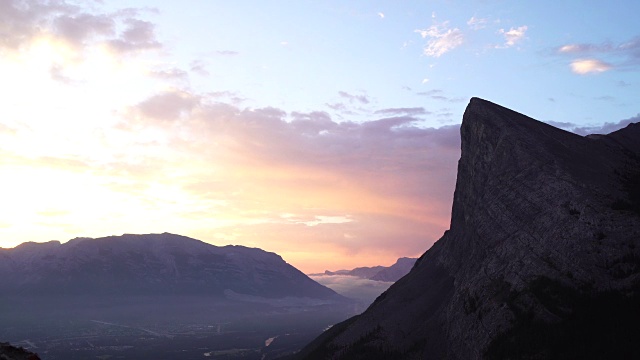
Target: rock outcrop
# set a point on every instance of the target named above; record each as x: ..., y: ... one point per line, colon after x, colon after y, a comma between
x: 8, y: 352
x: 541, y: 261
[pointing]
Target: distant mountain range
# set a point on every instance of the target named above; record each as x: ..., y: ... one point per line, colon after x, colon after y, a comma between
x: 379, y: 273
x: 153, y: 264
x: 542, y: 259
x: 158, y: 296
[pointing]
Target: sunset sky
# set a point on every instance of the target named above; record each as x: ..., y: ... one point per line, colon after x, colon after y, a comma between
x: 324, y: 131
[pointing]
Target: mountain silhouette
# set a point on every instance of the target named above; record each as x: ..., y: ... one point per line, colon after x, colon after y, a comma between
x: 541, y: 261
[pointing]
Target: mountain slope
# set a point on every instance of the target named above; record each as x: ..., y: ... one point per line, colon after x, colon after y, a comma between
x: 542, y: 259
x: 8, y: 352
x: 153, y: 264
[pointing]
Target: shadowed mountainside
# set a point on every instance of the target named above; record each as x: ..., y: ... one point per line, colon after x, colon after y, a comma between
x: 542, y: 259
x: 153, y: 264
x: 8, y: 352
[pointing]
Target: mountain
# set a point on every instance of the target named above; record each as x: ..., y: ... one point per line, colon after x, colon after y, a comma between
x: 364, y: 272
x: 8, y: 352
x: 541, y: 261
x: 159, y: 296
x: 379, y: 273
x: 154, y: 264
x: 396, y: 271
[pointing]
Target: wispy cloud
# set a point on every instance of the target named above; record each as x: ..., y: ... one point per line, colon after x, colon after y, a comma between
x: 440, y: 39
x: 437, y: 94
x: 170, y: 74
x: 363, y: 99
x: 512, y: 36
x: 227, y: 52
x: 404, y: 111
x: 477, y: 23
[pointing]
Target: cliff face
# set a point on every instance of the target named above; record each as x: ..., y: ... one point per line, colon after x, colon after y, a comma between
x: 542, y: 259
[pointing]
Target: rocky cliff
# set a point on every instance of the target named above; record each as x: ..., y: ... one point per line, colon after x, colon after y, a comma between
x: 541, y: 261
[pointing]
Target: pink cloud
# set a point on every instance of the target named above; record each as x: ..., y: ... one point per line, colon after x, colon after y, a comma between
x: 392, y: 179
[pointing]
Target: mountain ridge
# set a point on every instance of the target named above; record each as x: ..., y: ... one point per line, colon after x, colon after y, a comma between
x: 377, y: 273
x: 157, y: 263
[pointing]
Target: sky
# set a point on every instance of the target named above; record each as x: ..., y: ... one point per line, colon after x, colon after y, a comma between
x: 324, y: 131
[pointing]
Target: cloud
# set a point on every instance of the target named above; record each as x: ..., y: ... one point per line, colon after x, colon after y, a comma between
x: 587, y: 66
x: 391, y: 179
x: 441, y: 39
x: 582, y: 48
x: 477, y: 23
x: 437, y: 94
x: 512, y: 36
x: 227, y: 52
x: 624, y: 55
x: 168, y: 106
x: 78, y: 28
x: 403, y: 111
x: 363, y: 99
x: 170, y: 74
x: 138, y: 35
x: 199, y: 67
x: 605, y: 128
x: 24, y: 22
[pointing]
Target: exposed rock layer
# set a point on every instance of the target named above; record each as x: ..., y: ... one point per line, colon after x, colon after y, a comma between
x: 542, y: 259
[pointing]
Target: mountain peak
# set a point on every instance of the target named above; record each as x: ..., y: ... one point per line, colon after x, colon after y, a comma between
x: 544, y: 234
